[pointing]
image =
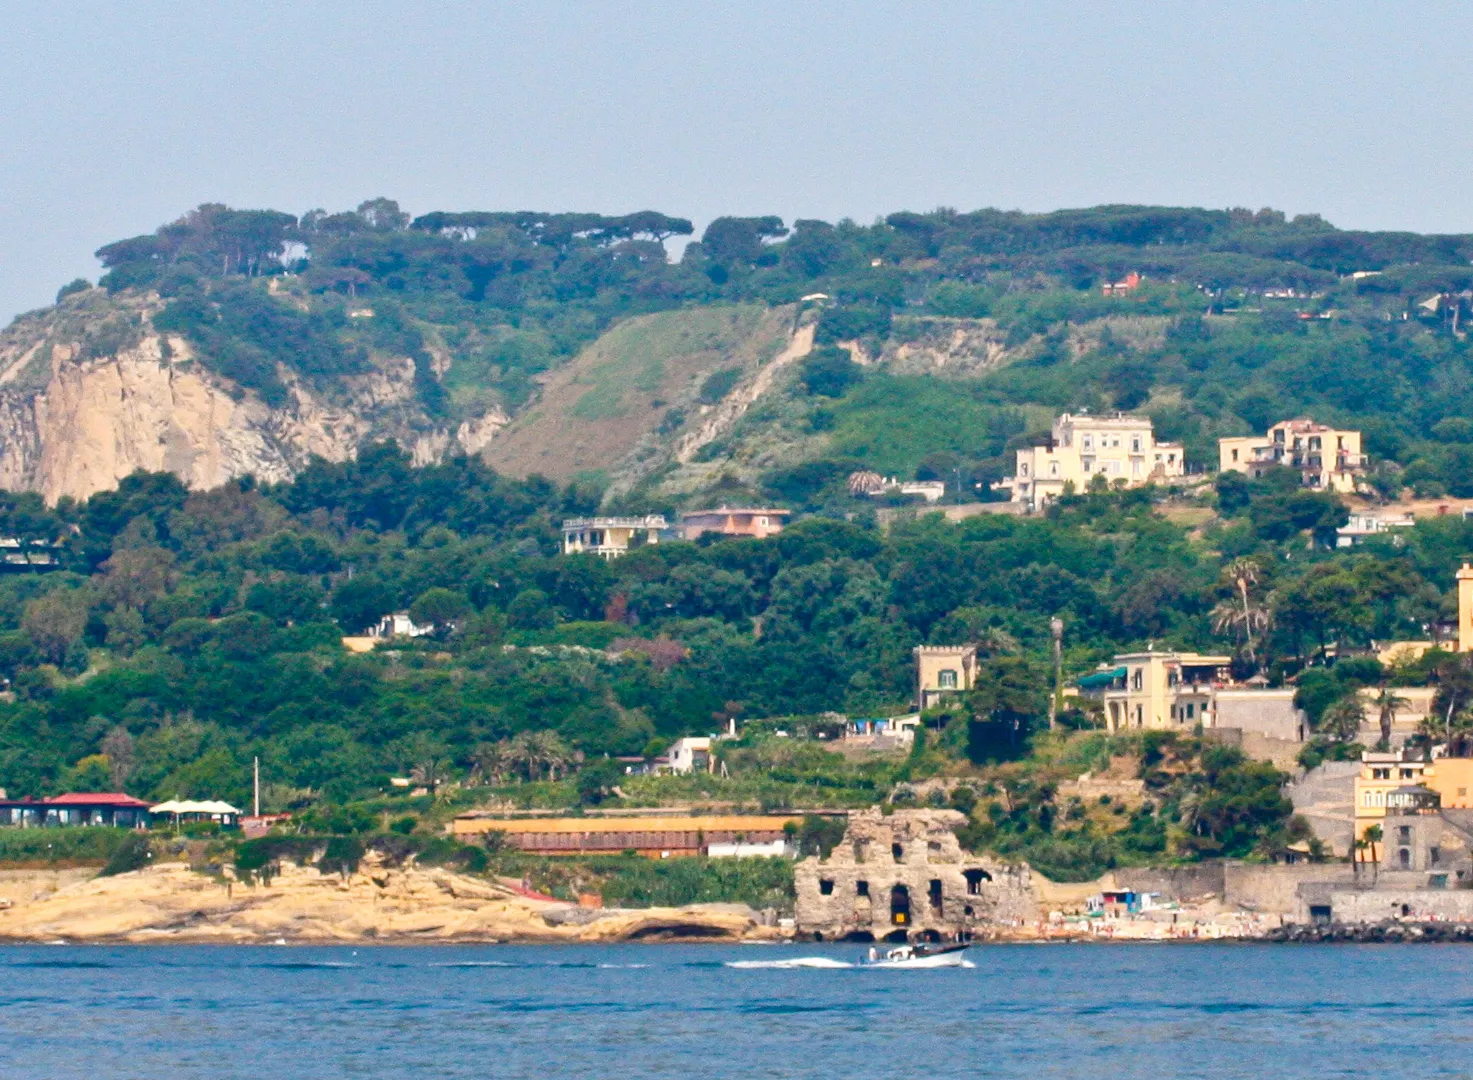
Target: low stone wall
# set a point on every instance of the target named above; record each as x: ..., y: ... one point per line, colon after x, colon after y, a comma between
x: 1276, y: 889
x: 1182, y: 884
x: 1379, y: 905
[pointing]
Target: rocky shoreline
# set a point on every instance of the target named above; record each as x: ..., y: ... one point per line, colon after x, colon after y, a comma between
x: 173, y: 904
x: 1435, y: 933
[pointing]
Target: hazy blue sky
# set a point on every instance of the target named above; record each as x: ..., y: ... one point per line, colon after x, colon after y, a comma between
x: 120, y: 116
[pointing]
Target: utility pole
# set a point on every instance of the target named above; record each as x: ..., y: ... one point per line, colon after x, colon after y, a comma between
x: 1055, y: 700
x: 256, y: 798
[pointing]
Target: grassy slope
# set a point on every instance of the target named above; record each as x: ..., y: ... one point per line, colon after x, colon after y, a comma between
x: 616, y: 394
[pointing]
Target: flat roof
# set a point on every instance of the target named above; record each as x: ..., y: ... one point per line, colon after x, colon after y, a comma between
x: 724, y: 823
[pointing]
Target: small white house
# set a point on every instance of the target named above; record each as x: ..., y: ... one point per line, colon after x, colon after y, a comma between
x: 399, y: 624
x: 690, y: 755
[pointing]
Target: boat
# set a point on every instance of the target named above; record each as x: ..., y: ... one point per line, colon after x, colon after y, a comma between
x: 919, y: 956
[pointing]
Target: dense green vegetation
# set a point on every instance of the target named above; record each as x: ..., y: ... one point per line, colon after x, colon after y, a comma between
x: 193, y: 631
x: 1244, y: 318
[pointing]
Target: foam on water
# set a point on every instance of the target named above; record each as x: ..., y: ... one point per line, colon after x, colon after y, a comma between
x: 823, y: 962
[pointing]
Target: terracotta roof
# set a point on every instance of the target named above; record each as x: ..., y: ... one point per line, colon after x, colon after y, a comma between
x: 95, y: 798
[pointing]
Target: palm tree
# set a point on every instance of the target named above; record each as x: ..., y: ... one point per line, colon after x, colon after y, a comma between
x: 550, y: 752
x: 1242, y: 613
x: 491, y: 762
x: 430, y: 773
x: 1387, y: 701
x: 1342, y: 720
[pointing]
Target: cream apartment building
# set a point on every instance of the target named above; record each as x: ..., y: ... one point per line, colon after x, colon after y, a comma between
x: 1181, y: 691
x: 1327, y: 459
x: 1120, y: 448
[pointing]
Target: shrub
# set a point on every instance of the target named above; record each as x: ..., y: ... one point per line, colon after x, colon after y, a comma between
x: 132, y: 854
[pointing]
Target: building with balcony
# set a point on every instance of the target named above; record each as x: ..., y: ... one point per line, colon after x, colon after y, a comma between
x: 610, y: 537
x: 1174, y: 691
x: 1326, y: 458
x: 1120, y: 449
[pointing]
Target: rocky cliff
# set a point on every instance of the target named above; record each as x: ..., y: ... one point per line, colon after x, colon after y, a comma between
x: 170, y: 902
x: 90, y: 391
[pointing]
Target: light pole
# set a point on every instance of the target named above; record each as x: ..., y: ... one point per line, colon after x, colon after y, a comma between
x: 1056, y: 625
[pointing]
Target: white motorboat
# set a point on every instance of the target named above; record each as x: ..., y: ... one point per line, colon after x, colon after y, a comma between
x: 920, y: 956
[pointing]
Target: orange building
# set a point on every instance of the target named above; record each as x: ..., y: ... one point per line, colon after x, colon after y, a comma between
x: 729, y: 521
x: 657, y: 837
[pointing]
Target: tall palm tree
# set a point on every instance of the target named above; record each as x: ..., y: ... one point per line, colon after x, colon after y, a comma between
x: 1243, y: 612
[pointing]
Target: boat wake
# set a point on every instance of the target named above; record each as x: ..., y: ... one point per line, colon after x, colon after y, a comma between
x: 794, y: 962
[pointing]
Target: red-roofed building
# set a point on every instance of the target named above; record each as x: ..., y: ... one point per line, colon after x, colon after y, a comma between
x: 77, y: 808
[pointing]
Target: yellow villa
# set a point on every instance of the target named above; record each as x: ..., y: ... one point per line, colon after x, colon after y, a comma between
x: 942, y: 671
x: 1328, y: 459
x: 1120, y: 448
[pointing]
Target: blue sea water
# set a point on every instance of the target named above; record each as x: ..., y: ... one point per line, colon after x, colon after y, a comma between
x: 636, y: 1011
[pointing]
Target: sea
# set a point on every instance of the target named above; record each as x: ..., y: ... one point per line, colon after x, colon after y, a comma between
x: 1101, y: 1012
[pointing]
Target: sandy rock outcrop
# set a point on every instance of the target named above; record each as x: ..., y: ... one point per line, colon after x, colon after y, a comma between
x: 77, y: 416
x: 171, y: 902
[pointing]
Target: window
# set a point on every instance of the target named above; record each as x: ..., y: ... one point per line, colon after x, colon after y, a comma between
x: 1406, y: 774
x: 1140, y: 716
x: 934, y: 894
x: 1235, y: 455
x: 1404, y: 859
x: 1434, y: 855
x: 946, y: 679
x: 897, y: 852
x: 1135, y: 444
x: 1404, y: 834
x: 1190, y: 708
x: 861, y: 888
x: 1135, y: 678
x: 1089, y: 442
x: 975, y: 878
x: 826, y: 887
x: 1380, y: 774
x: 1023, y: 470
x: 1053, y: 468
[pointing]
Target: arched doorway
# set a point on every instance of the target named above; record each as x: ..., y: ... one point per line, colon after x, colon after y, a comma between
x: 900, y: 906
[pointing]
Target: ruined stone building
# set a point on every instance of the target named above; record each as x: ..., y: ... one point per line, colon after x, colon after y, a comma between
x: 904, y: 876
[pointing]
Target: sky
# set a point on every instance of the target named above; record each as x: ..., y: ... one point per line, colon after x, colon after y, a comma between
x: 121, y: 116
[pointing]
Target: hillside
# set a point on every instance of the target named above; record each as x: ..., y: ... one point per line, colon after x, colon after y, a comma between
x: 232, y: 342
x: 652, y: 385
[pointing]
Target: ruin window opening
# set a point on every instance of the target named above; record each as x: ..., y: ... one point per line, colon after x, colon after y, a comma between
x: 897, y: 852
x: 1434, y: 856
x: 1405, y: 858
x: 934, y: 891
x: 826, y: 887
x: 900, y: 906
x: 975, y: 878
x: 861, y: 888
x: 1404, y: 834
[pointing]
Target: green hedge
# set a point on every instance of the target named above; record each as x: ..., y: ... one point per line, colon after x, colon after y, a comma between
x: 82, y: 844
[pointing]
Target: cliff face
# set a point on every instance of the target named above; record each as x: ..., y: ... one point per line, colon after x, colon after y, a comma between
x: 90, y: 392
